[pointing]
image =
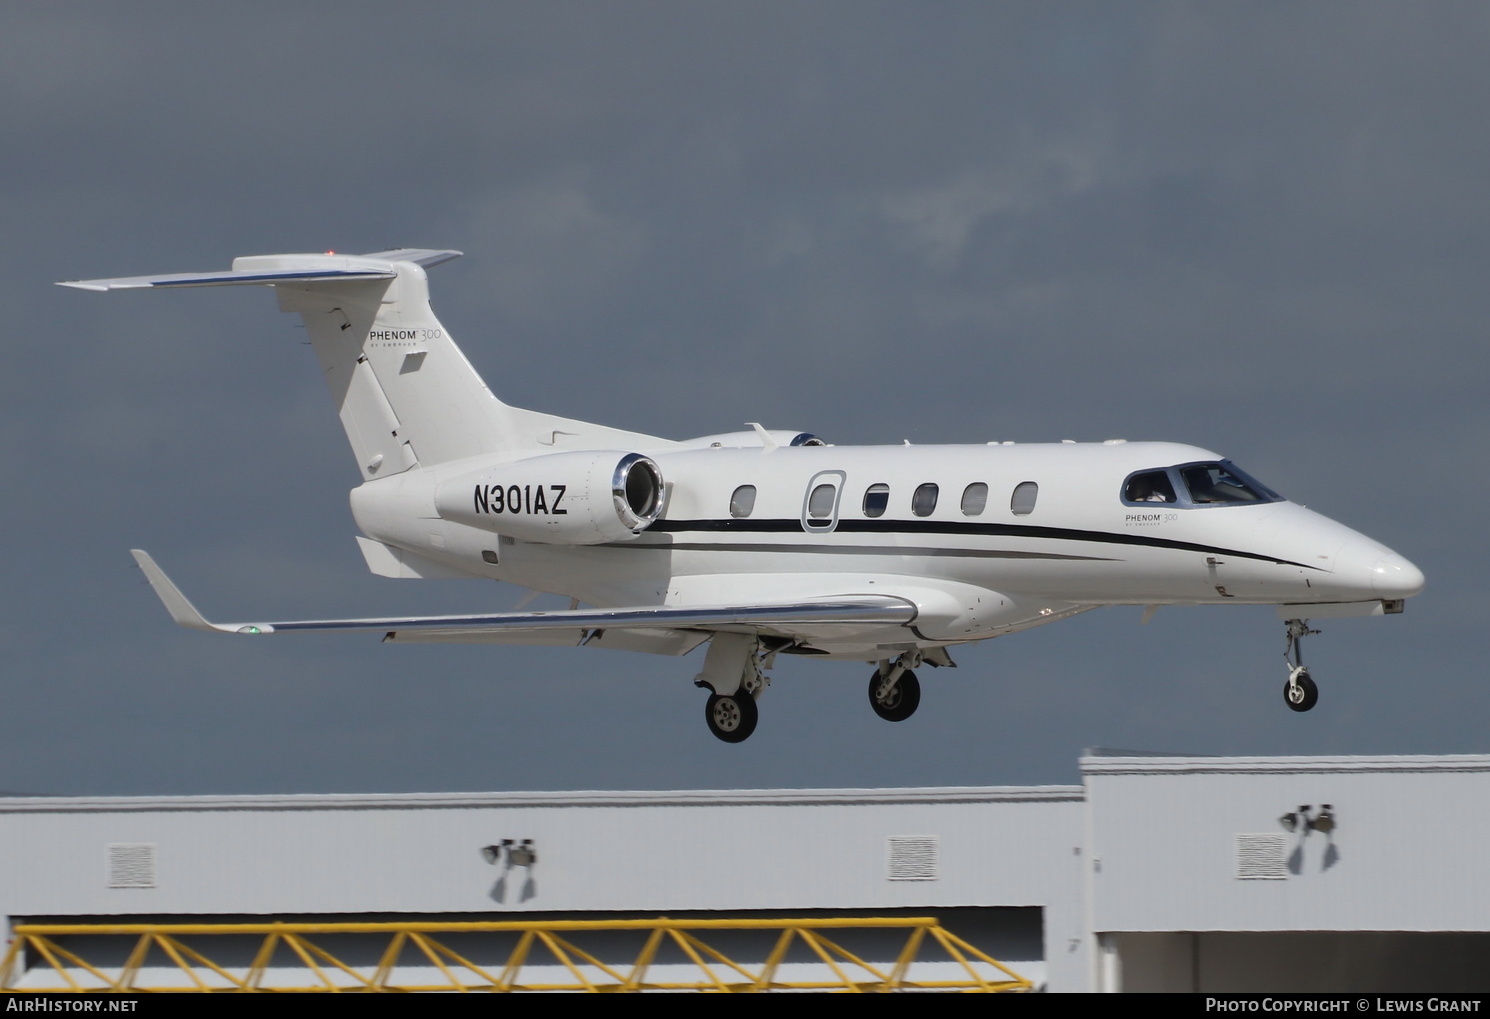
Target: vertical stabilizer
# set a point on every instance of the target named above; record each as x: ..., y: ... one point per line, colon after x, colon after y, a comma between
x: 405, y: 393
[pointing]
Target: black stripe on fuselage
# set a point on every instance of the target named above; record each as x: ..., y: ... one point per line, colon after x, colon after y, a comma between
x: 951, y: 527
x: 897, y: 550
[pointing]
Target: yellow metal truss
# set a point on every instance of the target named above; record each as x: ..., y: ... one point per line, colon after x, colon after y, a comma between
x: 551, y: 945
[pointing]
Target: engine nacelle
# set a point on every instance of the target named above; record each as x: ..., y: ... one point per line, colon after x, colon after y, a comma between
x: 579, y: 498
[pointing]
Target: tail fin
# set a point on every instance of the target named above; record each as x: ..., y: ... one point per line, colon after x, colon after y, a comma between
x: 405, y: 392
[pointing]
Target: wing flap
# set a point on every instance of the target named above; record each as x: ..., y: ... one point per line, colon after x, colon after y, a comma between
x: 658, y: 641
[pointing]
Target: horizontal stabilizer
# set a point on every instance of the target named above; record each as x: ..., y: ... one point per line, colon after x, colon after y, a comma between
x: 860, y: 609
x: 232, y: 279
x: 271, y: 269
x: 426, y: 258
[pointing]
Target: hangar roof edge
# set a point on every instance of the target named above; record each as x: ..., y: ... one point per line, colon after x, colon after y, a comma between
x: 588, y: 798
x: 1108, y: 762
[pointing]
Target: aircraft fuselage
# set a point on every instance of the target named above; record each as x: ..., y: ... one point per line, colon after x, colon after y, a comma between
x: 1014, y: 534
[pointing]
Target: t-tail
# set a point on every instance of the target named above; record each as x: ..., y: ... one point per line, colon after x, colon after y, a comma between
x: 406, y: 394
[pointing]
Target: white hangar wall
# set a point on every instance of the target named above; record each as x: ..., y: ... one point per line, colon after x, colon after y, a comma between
x: 1159, y: 873
x: 1195, y: 885
x: 820, y: 850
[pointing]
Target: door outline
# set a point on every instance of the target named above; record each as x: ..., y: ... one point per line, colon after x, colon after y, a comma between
x: 823, y: 525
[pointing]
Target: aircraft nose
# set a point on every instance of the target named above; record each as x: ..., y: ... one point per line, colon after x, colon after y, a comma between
x: 1394, y: 577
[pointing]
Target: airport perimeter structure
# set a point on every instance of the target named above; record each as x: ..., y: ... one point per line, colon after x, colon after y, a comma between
x: 1156, y: 873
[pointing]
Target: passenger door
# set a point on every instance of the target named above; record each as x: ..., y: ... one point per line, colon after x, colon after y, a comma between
x: 820, y: 502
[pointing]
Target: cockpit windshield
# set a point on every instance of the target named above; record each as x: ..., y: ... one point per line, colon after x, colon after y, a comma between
x: 1220, y: 483
x: 1202, y: 484
x: 1150, y: 486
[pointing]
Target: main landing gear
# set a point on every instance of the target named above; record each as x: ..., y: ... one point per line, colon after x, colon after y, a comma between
x: 734, y: 678
x: 731, y: 717
x: 894, y: 690
x: 1300, y: 692
x: 733, y: 665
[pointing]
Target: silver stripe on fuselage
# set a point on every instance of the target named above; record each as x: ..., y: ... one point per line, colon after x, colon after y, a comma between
x: 970, y: 553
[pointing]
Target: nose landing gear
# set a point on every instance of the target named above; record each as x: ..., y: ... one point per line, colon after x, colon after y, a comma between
x: 1300, y: 692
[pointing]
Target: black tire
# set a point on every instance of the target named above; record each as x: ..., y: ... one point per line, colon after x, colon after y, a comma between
x: 903, y: 699
x: 731, y: 717
x: 1304, y: 696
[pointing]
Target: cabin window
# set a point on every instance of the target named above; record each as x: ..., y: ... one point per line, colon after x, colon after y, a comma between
x: 1022, y: 502
x: 742, y: 503
x: 974, y: 499
x: 876, y: 500
x: 820, y: 502
x: 1150, y: 486
x: 924, y: 501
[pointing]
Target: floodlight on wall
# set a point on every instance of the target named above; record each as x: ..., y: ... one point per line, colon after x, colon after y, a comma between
x: 1302, y: 820
x: 1296, y: 819
x: 519, y: 854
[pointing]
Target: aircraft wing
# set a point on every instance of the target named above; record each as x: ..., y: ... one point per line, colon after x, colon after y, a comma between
x: 568, y: 626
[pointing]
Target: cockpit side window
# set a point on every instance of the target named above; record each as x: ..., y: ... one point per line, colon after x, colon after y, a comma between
x: 1221, y: 484
x: 1150, y: 486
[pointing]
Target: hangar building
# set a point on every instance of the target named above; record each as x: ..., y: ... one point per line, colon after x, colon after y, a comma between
x: 1156, y: 873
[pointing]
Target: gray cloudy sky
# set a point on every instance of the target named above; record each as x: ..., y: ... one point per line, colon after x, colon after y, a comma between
x: 1258, y: 227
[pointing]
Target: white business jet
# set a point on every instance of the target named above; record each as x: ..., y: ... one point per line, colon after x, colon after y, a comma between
x: 765, y: 542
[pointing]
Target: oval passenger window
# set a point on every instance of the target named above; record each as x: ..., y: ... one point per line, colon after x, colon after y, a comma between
x: 876, y: 500
x: 820, y: 502
x: 1022, y: 503
x: 742, y: 503
x: 924, y: 501
x: 974, y: 499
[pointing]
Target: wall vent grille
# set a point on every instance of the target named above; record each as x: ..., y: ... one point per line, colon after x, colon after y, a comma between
x: 131, y: 864
x: 913, y: 857
x: 1261, y: 856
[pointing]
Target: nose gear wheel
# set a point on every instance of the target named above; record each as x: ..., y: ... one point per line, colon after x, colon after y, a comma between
x: 1300, y: 693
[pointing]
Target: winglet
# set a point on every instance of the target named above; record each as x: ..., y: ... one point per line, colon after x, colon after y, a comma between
x: 176, y: 603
